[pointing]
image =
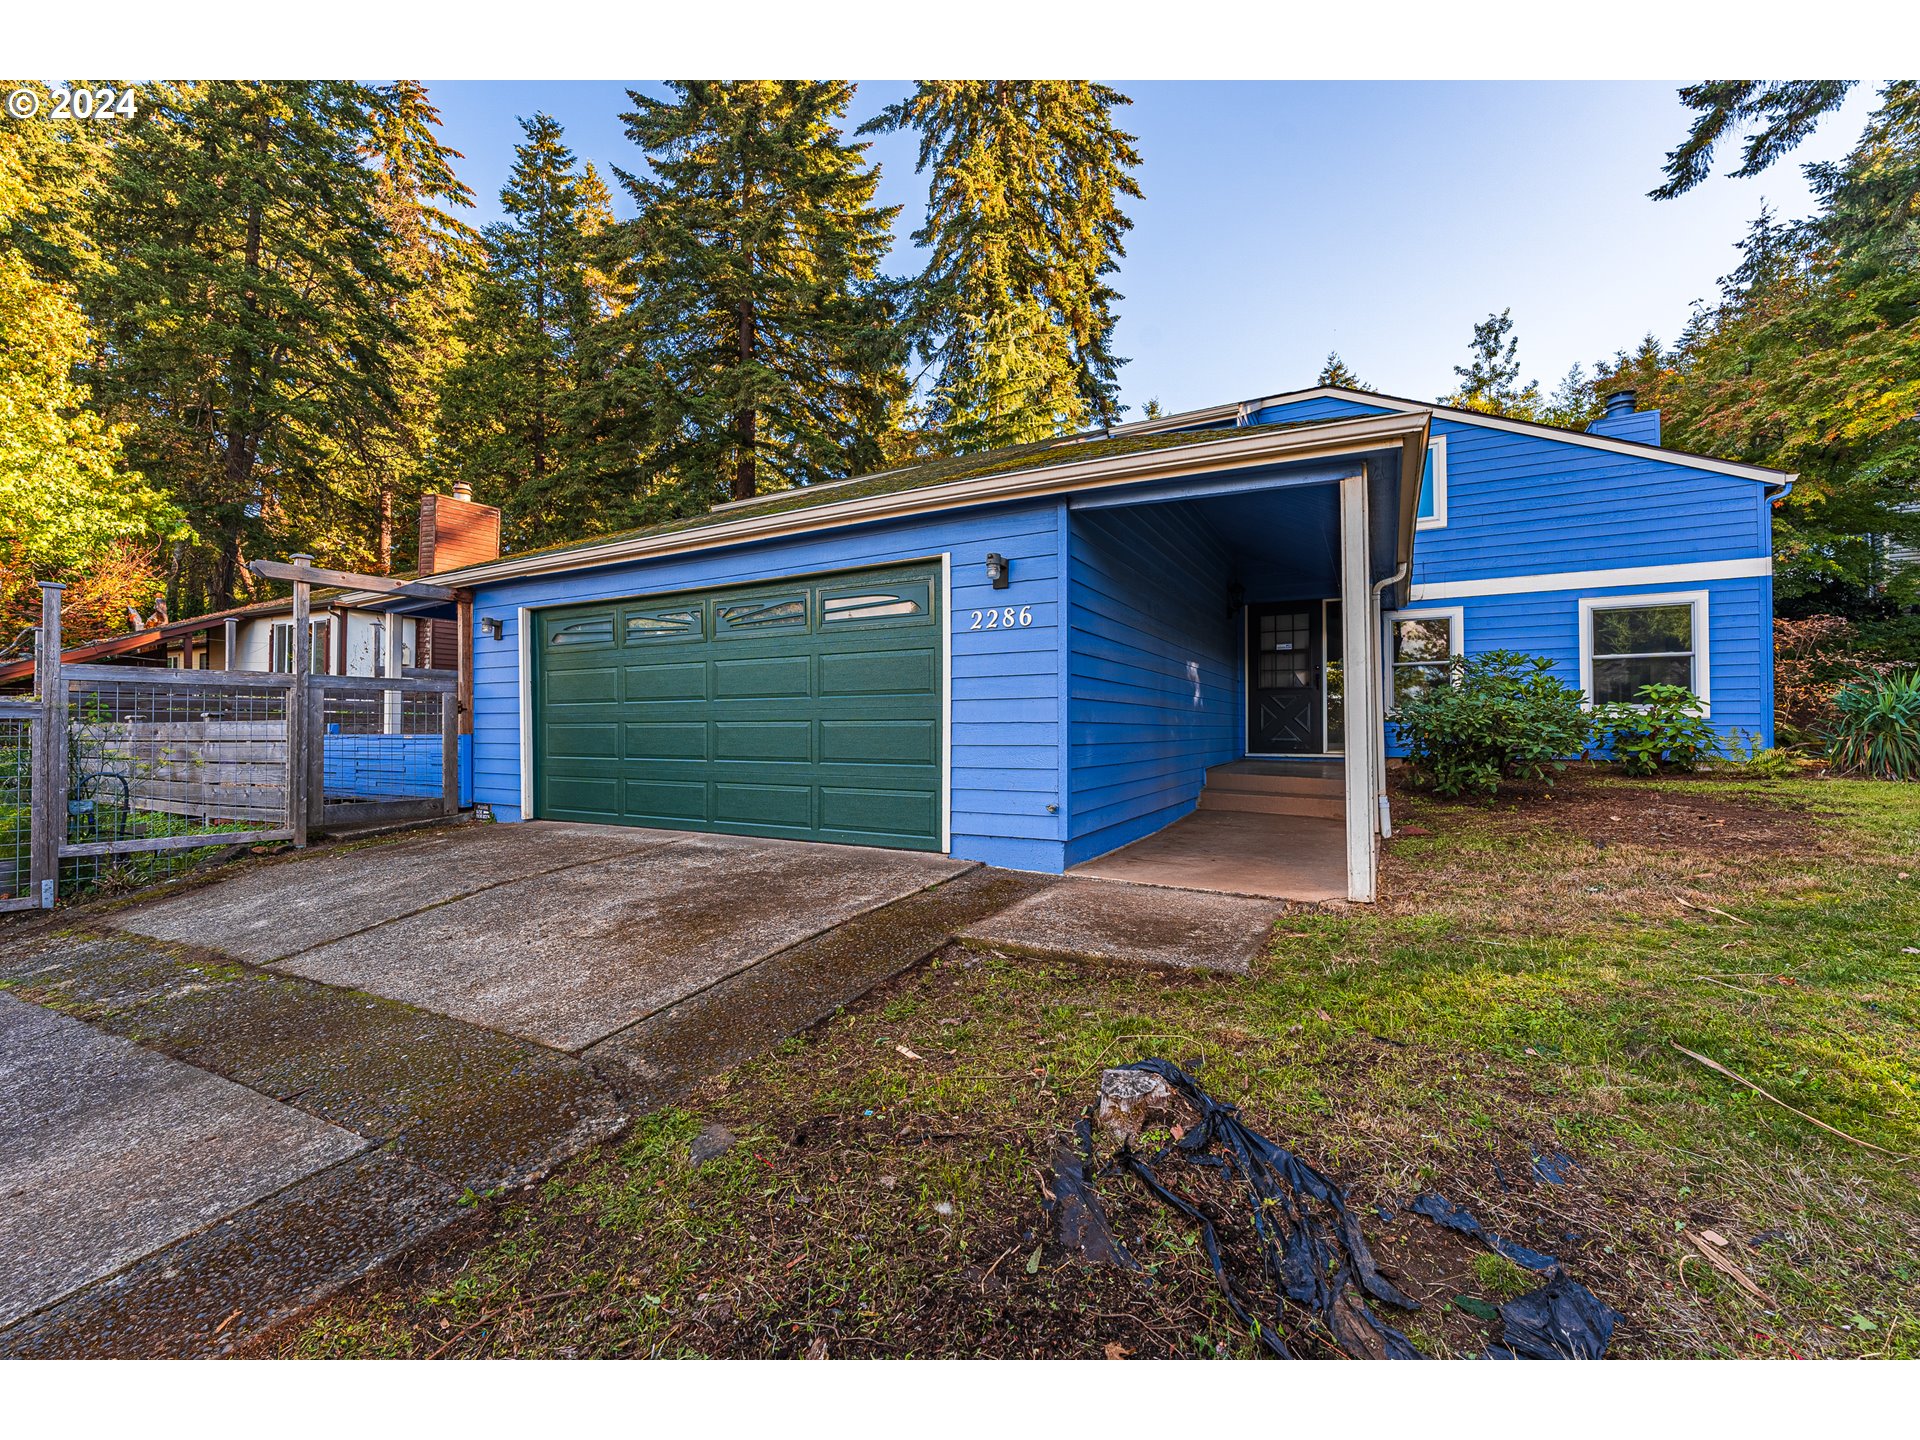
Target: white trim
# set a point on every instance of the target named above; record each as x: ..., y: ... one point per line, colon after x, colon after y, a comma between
x: 1752, y: 568
x: 1698, y: 599
x: 522, y: 626
x: 1232, y: 450
x: 946, y: 702
x: 1437, y: 448
x: 1364, y: 732
x: 1765, y: 474
x: 1454, y: 615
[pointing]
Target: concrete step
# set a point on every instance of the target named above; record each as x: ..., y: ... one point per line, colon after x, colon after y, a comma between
x: 1330, y: 807
x: 1256, y: 782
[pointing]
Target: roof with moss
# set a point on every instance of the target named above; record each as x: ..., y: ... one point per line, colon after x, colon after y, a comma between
x: 949, y: 470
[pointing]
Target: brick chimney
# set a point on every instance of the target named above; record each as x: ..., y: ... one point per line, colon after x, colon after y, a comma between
x: 454, y: 533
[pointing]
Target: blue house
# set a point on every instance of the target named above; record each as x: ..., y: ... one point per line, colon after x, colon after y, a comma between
x: 1062, y: 654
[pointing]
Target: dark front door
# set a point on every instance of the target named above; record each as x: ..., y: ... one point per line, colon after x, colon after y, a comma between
x: 1285, y: 709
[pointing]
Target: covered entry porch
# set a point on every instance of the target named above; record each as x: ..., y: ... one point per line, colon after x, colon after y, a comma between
x: 1224, y: 686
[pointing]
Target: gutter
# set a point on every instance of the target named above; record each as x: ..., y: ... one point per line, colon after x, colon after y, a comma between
x: 1377, y: 616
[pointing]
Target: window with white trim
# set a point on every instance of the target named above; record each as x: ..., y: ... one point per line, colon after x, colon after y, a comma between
x: 1423, y: 642
x: 281, y: 647
x: 1431, y: 513
x: 1628, y: 641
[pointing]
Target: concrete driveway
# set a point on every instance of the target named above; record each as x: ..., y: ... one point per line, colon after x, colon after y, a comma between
x: 559, y: 934
x: 227, y: 1102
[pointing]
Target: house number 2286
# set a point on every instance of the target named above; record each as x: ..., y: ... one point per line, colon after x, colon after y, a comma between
x: 1005, y: 618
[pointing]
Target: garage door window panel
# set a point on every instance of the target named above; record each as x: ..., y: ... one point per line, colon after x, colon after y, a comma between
x: 595, y: 630
x: 783, y: 612
x: 679, y: 623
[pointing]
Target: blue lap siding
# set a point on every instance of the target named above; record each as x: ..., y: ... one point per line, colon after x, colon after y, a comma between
x: 1006, y: 721
x: 1526, y: 504
x: 1154, y: 671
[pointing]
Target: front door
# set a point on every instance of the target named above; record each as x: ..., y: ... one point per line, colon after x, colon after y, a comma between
x: 1286, y: 711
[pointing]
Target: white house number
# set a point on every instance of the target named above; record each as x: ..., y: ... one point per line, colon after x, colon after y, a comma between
x: 1005, y: 618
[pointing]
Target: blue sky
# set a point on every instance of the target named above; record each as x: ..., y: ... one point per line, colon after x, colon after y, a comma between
x: 1281, y: 220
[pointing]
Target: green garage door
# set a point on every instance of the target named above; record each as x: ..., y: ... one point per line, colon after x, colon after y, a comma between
x: 808, y: 709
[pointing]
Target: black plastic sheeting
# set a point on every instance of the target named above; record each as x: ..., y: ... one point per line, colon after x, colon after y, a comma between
x: 1444, y: 1212
x: 1311, y: 1245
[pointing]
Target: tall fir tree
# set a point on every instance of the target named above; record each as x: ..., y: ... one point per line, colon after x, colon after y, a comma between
x: 525, y: 409
x: 763, y: 334
x: 386, y: 456
x: 245, y: 300
x: 1014, y: 310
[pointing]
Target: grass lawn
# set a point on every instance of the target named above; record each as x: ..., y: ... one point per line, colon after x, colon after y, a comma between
x: 1518, y: 992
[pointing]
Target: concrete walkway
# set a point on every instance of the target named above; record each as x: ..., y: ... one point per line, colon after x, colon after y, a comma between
x: 1283, y: 857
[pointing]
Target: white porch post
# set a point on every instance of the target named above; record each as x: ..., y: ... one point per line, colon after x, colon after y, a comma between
x: 1360, y: 683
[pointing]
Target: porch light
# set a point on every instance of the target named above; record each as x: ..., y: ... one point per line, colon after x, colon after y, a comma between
x: 493, y: 625
x: 1236, y: 597
x: 997, y: 570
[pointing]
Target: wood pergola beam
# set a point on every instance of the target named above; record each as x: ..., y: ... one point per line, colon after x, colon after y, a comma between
x: 347, y: 580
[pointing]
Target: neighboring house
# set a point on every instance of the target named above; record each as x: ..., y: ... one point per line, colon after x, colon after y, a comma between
x: 1035, y: 656
x: 355, y: 639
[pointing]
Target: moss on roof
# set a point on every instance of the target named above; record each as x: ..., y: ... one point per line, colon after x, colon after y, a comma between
x: 949, y: 470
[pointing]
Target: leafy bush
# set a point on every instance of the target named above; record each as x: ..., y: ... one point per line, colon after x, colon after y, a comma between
x: 1812, y: 658
x: 1502, y: 716
x: 1665, y: 726
x: 1876, y: 731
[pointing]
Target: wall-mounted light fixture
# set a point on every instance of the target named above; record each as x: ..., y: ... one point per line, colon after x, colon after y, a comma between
x: 997, y: 570
x: 1236, y: 597
x: 493, y: 625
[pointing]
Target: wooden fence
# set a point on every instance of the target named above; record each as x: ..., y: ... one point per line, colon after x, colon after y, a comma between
x: 111, y: 761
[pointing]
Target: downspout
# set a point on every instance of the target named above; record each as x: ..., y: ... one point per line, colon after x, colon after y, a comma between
x: 1376, y: 618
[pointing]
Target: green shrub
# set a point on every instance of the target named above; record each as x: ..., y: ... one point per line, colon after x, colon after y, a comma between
x: 1502, y: 716
x: 1663, y: 727
x: 1877, y: 729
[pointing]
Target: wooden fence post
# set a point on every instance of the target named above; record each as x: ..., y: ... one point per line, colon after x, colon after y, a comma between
x: 298, y: 716
x: 48, y: 817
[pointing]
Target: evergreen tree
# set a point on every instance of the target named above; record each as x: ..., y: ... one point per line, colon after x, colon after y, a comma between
x: 525, y: 407
x: 1787, y: 112
x: 1014, y: 310
x: 1574, y: 403
x: 1810, y: 361
x: 246, y: 300
x: 764, y: 335
x: 385, y: 457
x: 1336, y: 372
x: 1490, y: 380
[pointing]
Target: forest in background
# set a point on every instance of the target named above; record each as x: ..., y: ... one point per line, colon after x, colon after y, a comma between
x: 249, y: 320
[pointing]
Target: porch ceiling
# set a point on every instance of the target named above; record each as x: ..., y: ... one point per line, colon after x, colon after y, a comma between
x: 1281, y: 523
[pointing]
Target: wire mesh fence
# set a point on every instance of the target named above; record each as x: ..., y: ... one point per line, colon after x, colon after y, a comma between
x: 165, y: 771
x: 382, y: 745
x: 16, y: 806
